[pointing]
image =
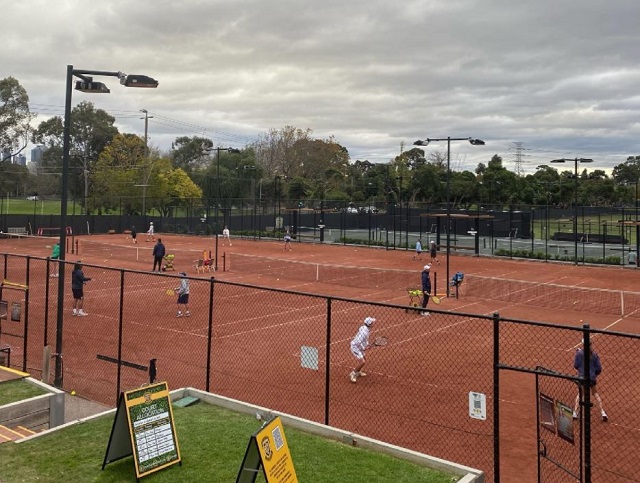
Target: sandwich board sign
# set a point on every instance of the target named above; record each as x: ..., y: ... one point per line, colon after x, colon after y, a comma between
x: 268, y: 448
x: 144, y: 427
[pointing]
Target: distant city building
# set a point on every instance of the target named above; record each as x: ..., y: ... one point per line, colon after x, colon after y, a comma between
x: 36, y: 154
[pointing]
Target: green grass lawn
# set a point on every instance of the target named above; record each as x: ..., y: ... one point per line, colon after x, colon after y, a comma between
x: 12, y: 391
x: 212, y: 443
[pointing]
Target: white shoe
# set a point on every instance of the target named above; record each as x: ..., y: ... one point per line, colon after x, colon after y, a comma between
x: 362, y: 374
x: 82, y: 314
x: 187, y: 314
x: 353, y: 377
x: 74, y: 313
x: 425, y: 314
x: 575, y: 415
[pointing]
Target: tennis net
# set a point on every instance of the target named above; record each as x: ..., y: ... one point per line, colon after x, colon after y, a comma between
x: 551, y: 295
x: 106, y: 251
x: 348, y: 276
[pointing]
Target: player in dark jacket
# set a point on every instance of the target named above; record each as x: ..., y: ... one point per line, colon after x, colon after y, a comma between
x: 426, y: 289
x: 158, y: 255
x: 77, y: 287
x: 595, y: 368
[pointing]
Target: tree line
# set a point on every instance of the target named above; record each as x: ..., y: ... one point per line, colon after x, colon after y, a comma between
x: 288, y: 163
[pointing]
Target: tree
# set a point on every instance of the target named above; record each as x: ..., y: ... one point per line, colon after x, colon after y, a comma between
x: 172, y: 187
x: 14, y: 116
x: 14, y: 179
x: 191, y: 154
x: 279, y: 152
x: 90, y: 131
x: 118, y: 169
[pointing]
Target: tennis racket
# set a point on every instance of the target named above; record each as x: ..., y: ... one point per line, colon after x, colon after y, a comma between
x: 381, y: 340
x: 170, y: 292
x: 435, y: 299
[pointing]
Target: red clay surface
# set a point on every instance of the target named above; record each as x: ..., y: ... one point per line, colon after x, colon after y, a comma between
x: 249, y: 323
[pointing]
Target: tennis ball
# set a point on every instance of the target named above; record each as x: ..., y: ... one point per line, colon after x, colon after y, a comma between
x: 73, y: 393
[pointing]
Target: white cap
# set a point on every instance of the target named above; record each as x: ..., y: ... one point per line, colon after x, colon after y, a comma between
x: 432, y: 242
x: 368, y: 321
x: 151, y: 223
x: 427, y: 268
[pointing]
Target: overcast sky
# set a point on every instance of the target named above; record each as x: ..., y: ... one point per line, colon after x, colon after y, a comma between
x: 561, y: 77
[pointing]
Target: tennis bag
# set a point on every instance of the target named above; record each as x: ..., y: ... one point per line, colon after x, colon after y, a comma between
x: 457, y: 278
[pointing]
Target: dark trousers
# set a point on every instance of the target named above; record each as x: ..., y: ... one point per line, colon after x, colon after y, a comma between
x: 425, y: 299
x: 157, y: 261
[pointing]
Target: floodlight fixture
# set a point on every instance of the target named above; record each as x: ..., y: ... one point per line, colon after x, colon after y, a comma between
x: 137, y: 80
x: 93, y: 87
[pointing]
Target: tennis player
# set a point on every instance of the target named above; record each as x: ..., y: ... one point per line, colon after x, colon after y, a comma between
x: 287, y: 241
x: 150, y: 232
x: 418, y: 250
x: 595, y: 368
x: 359, y: 345
x: 226, y: 237
x: 433, y: 251
x: 55, y: 256
x: 183, y: 296
x: 77, y: 287
x: 426, y: 289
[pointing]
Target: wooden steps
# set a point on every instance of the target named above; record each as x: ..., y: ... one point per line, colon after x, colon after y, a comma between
x: 14, y: 434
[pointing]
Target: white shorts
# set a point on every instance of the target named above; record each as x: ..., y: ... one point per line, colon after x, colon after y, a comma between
x: 357, y: 353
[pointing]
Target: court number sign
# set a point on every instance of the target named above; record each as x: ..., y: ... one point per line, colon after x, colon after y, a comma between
x: 144, y: 427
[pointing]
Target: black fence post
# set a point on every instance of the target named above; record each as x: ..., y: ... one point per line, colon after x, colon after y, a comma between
x: 120, y: 324
x: 25, y: 346
x: 210, y: 333
x: 496, y: 397
x: 586, y: 406
x: 327, y: 370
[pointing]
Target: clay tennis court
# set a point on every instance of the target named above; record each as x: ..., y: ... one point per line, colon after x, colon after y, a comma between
x: 258, y: 335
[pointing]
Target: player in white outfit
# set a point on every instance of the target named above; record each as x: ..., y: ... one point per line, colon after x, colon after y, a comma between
x: 359, y: 345
x: 226, y: 236
x: 150, y: 232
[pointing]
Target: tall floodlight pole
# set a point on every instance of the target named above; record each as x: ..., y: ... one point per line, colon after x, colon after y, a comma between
x: 576, y: 161
x: 474, y: 142
x: 85, y: 84
x: 145, y: 181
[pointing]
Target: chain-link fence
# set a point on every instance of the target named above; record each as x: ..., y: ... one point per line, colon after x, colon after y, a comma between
x: 609, y: 235
x: 458, y: 386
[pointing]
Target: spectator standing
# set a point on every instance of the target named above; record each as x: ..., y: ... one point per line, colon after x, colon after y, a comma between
x: 55, y: 256
x: 418, y: 250
x: 595, y: 368
x: 433, y: 251
x: 426, y: 289
x: 359, y: 345
x: 183, y: 296
x: 77, y: 287
x: 158, y: 255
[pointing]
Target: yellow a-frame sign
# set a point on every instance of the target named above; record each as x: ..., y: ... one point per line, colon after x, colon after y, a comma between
x: 268, y: 448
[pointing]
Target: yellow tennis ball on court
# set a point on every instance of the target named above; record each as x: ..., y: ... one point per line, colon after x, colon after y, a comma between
x: 73, y: 393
